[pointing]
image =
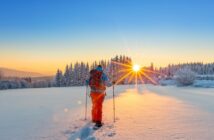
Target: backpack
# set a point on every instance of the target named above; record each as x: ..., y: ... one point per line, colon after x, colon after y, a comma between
x: 95, y: 81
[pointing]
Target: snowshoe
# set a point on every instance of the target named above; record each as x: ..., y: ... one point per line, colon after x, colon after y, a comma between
x: 97, y: 125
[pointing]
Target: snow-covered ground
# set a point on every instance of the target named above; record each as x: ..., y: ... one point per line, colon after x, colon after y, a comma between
x: 204, y: 83
x: 197, y: 83
x: 46, y: 113
x: 146, y: 112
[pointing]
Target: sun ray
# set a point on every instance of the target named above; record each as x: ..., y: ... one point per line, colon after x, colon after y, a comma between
x: 131, y: 78
x: 126, y: 75
x: 136, y: 78
x: 154, y: 82
x: 124, y: 70
x: 139, y: 74
x: 147, y: 70
x: 134, y: 72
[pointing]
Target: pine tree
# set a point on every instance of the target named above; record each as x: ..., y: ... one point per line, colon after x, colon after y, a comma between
x: 67, y: 76
x: 59, y: 78
x: 71, y: 73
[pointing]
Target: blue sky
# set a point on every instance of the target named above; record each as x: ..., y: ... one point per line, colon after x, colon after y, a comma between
x: 79, y: 16
x: 70, y: 30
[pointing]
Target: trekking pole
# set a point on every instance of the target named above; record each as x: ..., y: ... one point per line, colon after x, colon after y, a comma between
x: 113, y: 103
x: 86, y: 102
x: 113, y: 94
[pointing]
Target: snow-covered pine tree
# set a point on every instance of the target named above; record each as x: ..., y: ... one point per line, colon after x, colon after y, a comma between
x: 59, y: 78
x: 75, y: 72
x: 67, y: 76
x: 86, y: 72
x: 71, y: 73
x: 82, y: 73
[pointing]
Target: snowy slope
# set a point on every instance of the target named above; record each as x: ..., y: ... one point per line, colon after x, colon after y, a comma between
x: 154, y: 112
x: 17, y: 73
x: 149, y: 112
x: 46, y: 113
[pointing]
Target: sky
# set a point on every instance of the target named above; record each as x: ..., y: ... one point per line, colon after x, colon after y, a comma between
x: 43, y: 35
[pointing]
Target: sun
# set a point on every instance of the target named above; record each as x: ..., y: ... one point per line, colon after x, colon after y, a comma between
x: 134, y: 71
x: 136, y: 68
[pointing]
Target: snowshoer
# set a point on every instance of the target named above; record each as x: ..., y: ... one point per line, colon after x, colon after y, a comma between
x: 98, y: 82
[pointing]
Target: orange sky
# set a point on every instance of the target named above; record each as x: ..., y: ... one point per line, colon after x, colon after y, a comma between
x: 49, y: 65
x: 46, y: 57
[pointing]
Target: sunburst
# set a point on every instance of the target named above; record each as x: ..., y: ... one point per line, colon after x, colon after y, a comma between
x: 134, y: 71
x: 136, y: 67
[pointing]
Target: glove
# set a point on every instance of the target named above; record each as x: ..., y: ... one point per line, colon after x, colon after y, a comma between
x: 86, y: 82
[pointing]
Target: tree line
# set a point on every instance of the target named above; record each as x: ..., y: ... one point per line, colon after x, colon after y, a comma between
x: 75, y: 74
x: 199, y: 68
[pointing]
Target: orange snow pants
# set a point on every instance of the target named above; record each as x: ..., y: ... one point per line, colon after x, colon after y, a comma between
x: 97, y: 104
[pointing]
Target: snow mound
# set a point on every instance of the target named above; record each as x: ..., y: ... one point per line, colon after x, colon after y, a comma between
x: 185, y: 76
x: 204, y: 83
x: 167, y: 82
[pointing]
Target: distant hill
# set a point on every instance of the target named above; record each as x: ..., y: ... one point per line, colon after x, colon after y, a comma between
x: 17, y: 73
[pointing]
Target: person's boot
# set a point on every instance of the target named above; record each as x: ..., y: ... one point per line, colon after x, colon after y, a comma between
x: 99, y: 124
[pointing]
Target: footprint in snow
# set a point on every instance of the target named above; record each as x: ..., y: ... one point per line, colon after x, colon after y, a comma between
x: 85, y: 133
